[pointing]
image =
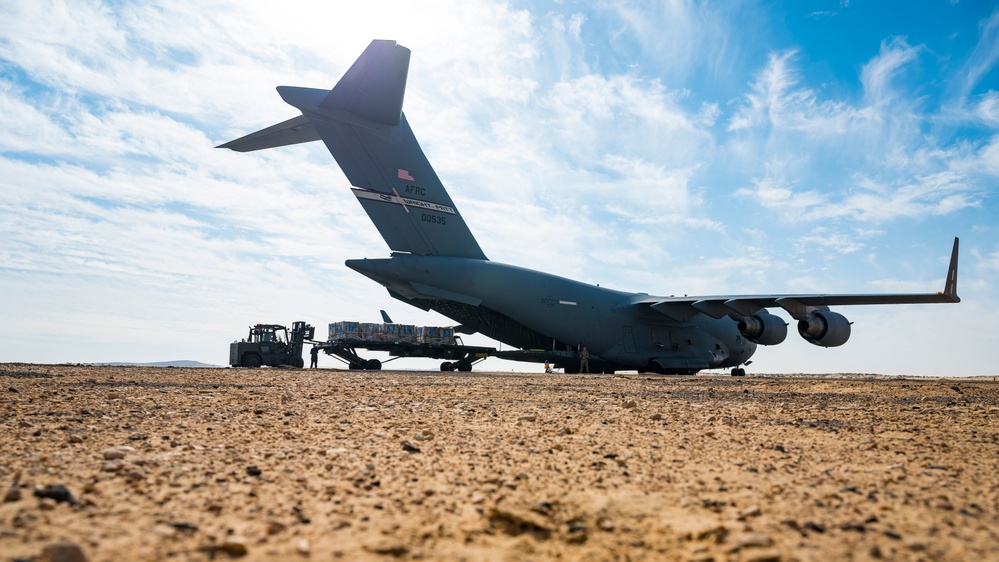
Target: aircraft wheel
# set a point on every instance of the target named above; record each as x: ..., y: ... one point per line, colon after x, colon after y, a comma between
x: 446, y: 366
x: 297, y: 362
x: 252, y: 361
x: 464, y: 366
x: 373, y: 365
x: 738, y: 372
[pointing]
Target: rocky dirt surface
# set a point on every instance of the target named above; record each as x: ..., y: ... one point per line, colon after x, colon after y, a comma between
x: 139, y: 463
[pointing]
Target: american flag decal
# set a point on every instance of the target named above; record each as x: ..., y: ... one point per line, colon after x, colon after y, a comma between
x: 404, y: 175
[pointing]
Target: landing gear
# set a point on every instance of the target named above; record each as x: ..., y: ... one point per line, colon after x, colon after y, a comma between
x: 463, y: 366
x: 738, y: 372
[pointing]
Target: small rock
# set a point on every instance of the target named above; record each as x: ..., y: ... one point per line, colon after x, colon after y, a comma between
x: 274, y: 527
x: 813, y: 526
x: 409, y: 448
x: 387, y: 547
x: 744, y: 540
x: 113, y: 465
x: 253, y: 471
x: 12, y: 389
x: 57, y: 492
x: 656, y: 417
x: 564, y: 431
x: 114, y: 453
x: 303, y: 547
x: 75, y: 438
x: 752, y: 511
x: 63, y: 551
x: 135, y: 476
x: 779, y: 448
x: 630, y: 405
x: 12, y: 495
x: 527, y: 418
x: 234, y: 545
x: 183, y: 526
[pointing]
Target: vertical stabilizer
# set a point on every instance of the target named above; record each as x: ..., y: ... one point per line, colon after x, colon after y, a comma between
x: 361, y: 122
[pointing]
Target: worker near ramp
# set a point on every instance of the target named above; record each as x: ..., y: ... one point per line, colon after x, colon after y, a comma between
x: 315, y: 357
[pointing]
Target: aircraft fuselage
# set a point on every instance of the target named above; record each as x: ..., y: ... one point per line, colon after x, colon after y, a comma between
x: 608, y: 322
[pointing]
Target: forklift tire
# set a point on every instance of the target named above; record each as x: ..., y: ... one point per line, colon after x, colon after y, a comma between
x: 373, y: 365
x: 464, y: 366
x: 446, y: 366
x: 297, y: 362
x: 251, y: 361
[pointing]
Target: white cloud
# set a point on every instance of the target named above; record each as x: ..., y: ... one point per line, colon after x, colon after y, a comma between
x: 877, y: 74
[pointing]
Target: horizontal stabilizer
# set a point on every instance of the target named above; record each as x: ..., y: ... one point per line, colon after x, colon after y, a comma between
x: 292, y: 131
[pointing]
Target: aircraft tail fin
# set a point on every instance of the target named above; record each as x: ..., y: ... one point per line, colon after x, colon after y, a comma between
x: 362, y: 124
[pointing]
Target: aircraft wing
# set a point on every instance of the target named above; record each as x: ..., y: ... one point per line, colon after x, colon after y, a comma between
x: 797, y: 305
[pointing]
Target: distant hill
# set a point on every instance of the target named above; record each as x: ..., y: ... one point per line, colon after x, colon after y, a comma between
x: 179, y: 363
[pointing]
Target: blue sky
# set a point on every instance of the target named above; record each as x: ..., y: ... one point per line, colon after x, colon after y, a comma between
x: 663, y: 147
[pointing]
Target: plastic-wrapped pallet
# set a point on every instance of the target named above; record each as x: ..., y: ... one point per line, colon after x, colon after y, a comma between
x: 406, y: 333
x: 447, y: 336
x: 343, y: 329
x: 369, y: 331
x: 398, y: 333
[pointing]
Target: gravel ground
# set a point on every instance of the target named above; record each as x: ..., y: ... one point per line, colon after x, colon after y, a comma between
x: 140, y: 463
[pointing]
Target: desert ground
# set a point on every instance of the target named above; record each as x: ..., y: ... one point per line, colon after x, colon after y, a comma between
x: 140, y: 463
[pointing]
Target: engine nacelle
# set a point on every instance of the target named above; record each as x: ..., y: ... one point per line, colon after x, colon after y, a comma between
x: 824, y: 328
x: 763, y: 328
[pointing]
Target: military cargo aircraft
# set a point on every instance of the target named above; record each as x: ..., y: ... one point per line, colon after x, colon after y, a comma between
x: 436, y: 263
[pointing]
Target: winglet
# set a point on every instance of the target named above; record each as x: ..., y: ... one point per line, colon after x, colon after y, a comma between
x: 950, y: 285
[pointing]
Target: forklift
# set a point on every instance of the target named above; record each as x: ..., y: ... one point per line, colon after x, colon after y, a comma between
x: 272, y: 345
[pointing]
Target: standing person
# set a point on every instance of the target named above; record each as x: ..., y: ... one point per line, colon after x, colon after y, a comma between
x: 584, y: 360
x: 315, y: 358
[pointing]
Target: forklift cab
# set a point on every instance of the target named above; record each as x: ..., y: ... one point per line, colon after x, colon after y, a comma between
x: 269, y: 333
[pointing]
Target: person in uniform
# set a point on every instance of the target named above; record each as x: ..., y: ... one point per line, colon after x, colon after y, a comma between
x: 584, y: 360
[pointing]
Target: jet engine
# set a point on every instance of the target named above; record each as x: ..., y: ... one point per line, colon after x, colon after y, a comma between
x: 763, y: 328
x: 824, y: 328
